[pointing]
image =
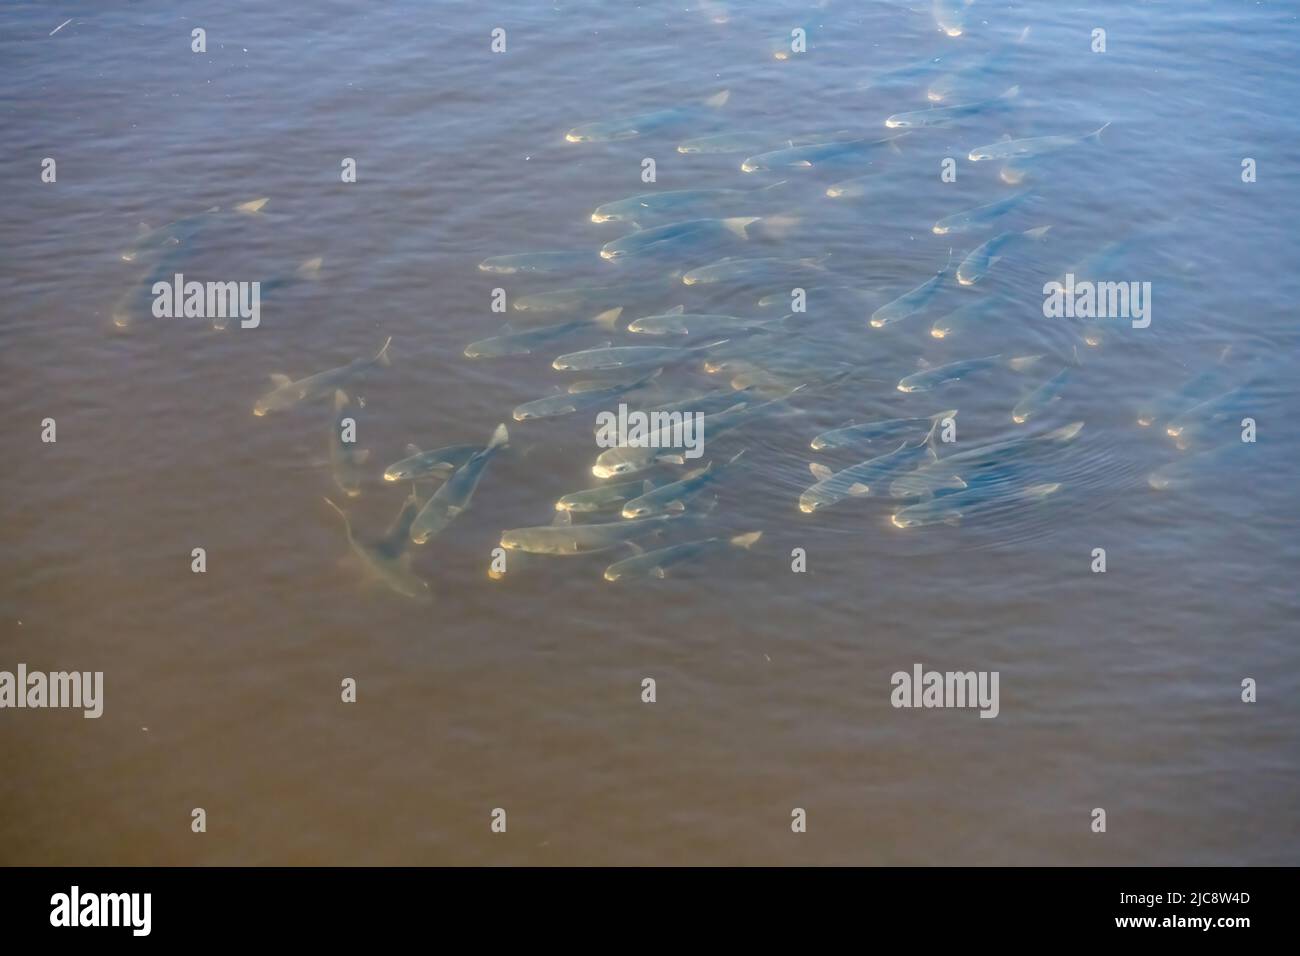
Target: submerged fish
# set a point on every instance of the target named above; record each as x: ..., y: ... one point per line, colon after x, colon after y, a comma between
x: 955, y: 371
x: 513, y: 341
x: 943, y: 115
x: 566, y: 538
x: 673, y: 497
x: 655, y: 564
x: 288, y: 393
x: 437, y: 463
x: 675, y: 203
x: 609, y: 357
x: 579, y: 395
x: 387, y: 560
x: 1031, y: 146
x: 854, y: 188
x: 691, y: 323
x: 1041, y: 397
x: 542, y: 263
x: 797, y: 157
x: 586, y: 299
x: 1229, y: 405
x: 604, y: 497
x: 864, y: 478
x: 1186, y: 469
x: 963, y: 317
x: 973, y: 75
x: 979, y: 216
x: 345, y: 458
x: 910, y: 303
x: 983, y: 257
x: 769, y: 269
x: 634, y: 126
x: 453, y: 497
x: 950, y: 509
x: 678, y: 237
x: 958, y: 470
x: 950, y: 16
x: 897, y: 77
x: 850, y: 436
x: 1191, y: 393
x: 153, y: 243
x: 307, y: 271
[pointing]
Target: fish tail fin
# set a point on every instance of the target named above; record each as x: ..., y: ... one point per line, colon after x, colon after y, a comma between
x: 382, y: 355
x: 1043, y: 490
x: 1022, y: 362
x: 253, y: 205
x: 1096, y: 134
x: 718, y: 100
x: 1038, y: 233
x: 342, y: 514
x: 740, y: 225
x: 1010, y: 93
x: 310, y: 269
x: 747, y: 541
x: 609, y: 318
x: 500, y: 437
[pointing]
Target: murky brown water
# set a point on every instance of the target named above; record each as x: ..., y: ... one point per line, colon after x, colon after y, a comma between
x: 222, y: 690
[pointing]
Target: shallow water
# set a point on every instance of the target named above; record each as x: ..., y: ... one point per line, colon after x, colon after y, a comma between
x: 1118, y: 690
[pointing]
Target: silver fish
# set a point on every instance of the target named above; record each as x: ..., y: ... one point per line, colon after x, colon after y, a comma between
x: 679, y: 237
x: 955, y: 371
x: 972, y: 313
x: 539, y: 263
x: 511, y: 341
x: 864, y: 478
x: 1041, y: 397
x: 154, y: 243
x: 388, y: 560
x: 585, y: 299
x: 634, y: 126
x: 952, y: 471
x: 674, y: 496
x: 655, y: 564
x: 288, y: 393
x: 609, y: 357
x: 802, y: 157
x: 691, y: 323
x: 851, y: 436
x: 675, y: 203
x: 437, y: 463
x: 604, y: 497
x: 1031, y: 146
x: 565, y: 539
x: 943, y: 115
x: 579, y: 395
x: 983, y: 257
x: 910, y: 303
x: 979, y: 216
x: 950, y: 509
x: 453, y: 497
x: 736, y: 269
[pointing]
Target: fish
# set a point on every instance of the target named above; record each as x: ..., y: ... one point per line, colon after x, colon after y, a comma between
x: 865, y: 477
x: 564, y: 538
x: 675, y: 203
x: 692, y: 323
x: 929, y: 378
x: 1186, y: 469
x: 850, y: 436
x: 452, y: 498
x: 958, y: 82
x: 896, y: 77
x: 307, y: 271
x: 655, y: 564
x: 512, y: 341
x: 585, y: 299
x: 950, y: 16
x: 854, y: 188
x: 723, y: 143
x: 706, y: 404
x: 963, y: 317
x: 1043, y: 396
x: 634, y: 126
x: 957, y: 471
x: 580, y: 395
x: 539, y: 263
x: 437, y: 463
x: 1191, y: 393
x: 1031, y: 146
x: 604, y: 497
x: 608, y: 357
x: 152, y: 243
x: 659, y: 447
x: 735, y: 269
x: 950, y: 509
x: 943, y: 115
x: 910, y: 303
x: 345, y: 458
x: 983, y: 257
x: 680, y: 237
x: 979, y: 216
x: 288, y: 393
x: 674, y: 496
x: 797, y: 157
x: 1212, y: 411
x: 388, y: 560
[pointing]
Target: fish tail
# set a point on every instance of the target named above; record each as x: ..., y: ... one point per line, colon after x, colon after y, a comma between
x: 253, y: 205
x: 747, y: 541
x: 310, y: 269
x: 609, y: 318
x: 1010, y: 93
x: 1037, y: 233
x: 382, y: 355
x: 500, y: 437
x: 1096, y: 134
x: 739, y: 224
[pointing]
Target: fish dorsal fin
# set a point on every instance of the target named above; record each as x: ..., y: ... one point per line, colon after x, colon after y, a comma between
x: 562, y: 519
x: 279, y: 379
x: 647, y: 486
x: 412, y: 449
x: 858, y: 489
x: 676, y: 310
x: 819, y: 471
